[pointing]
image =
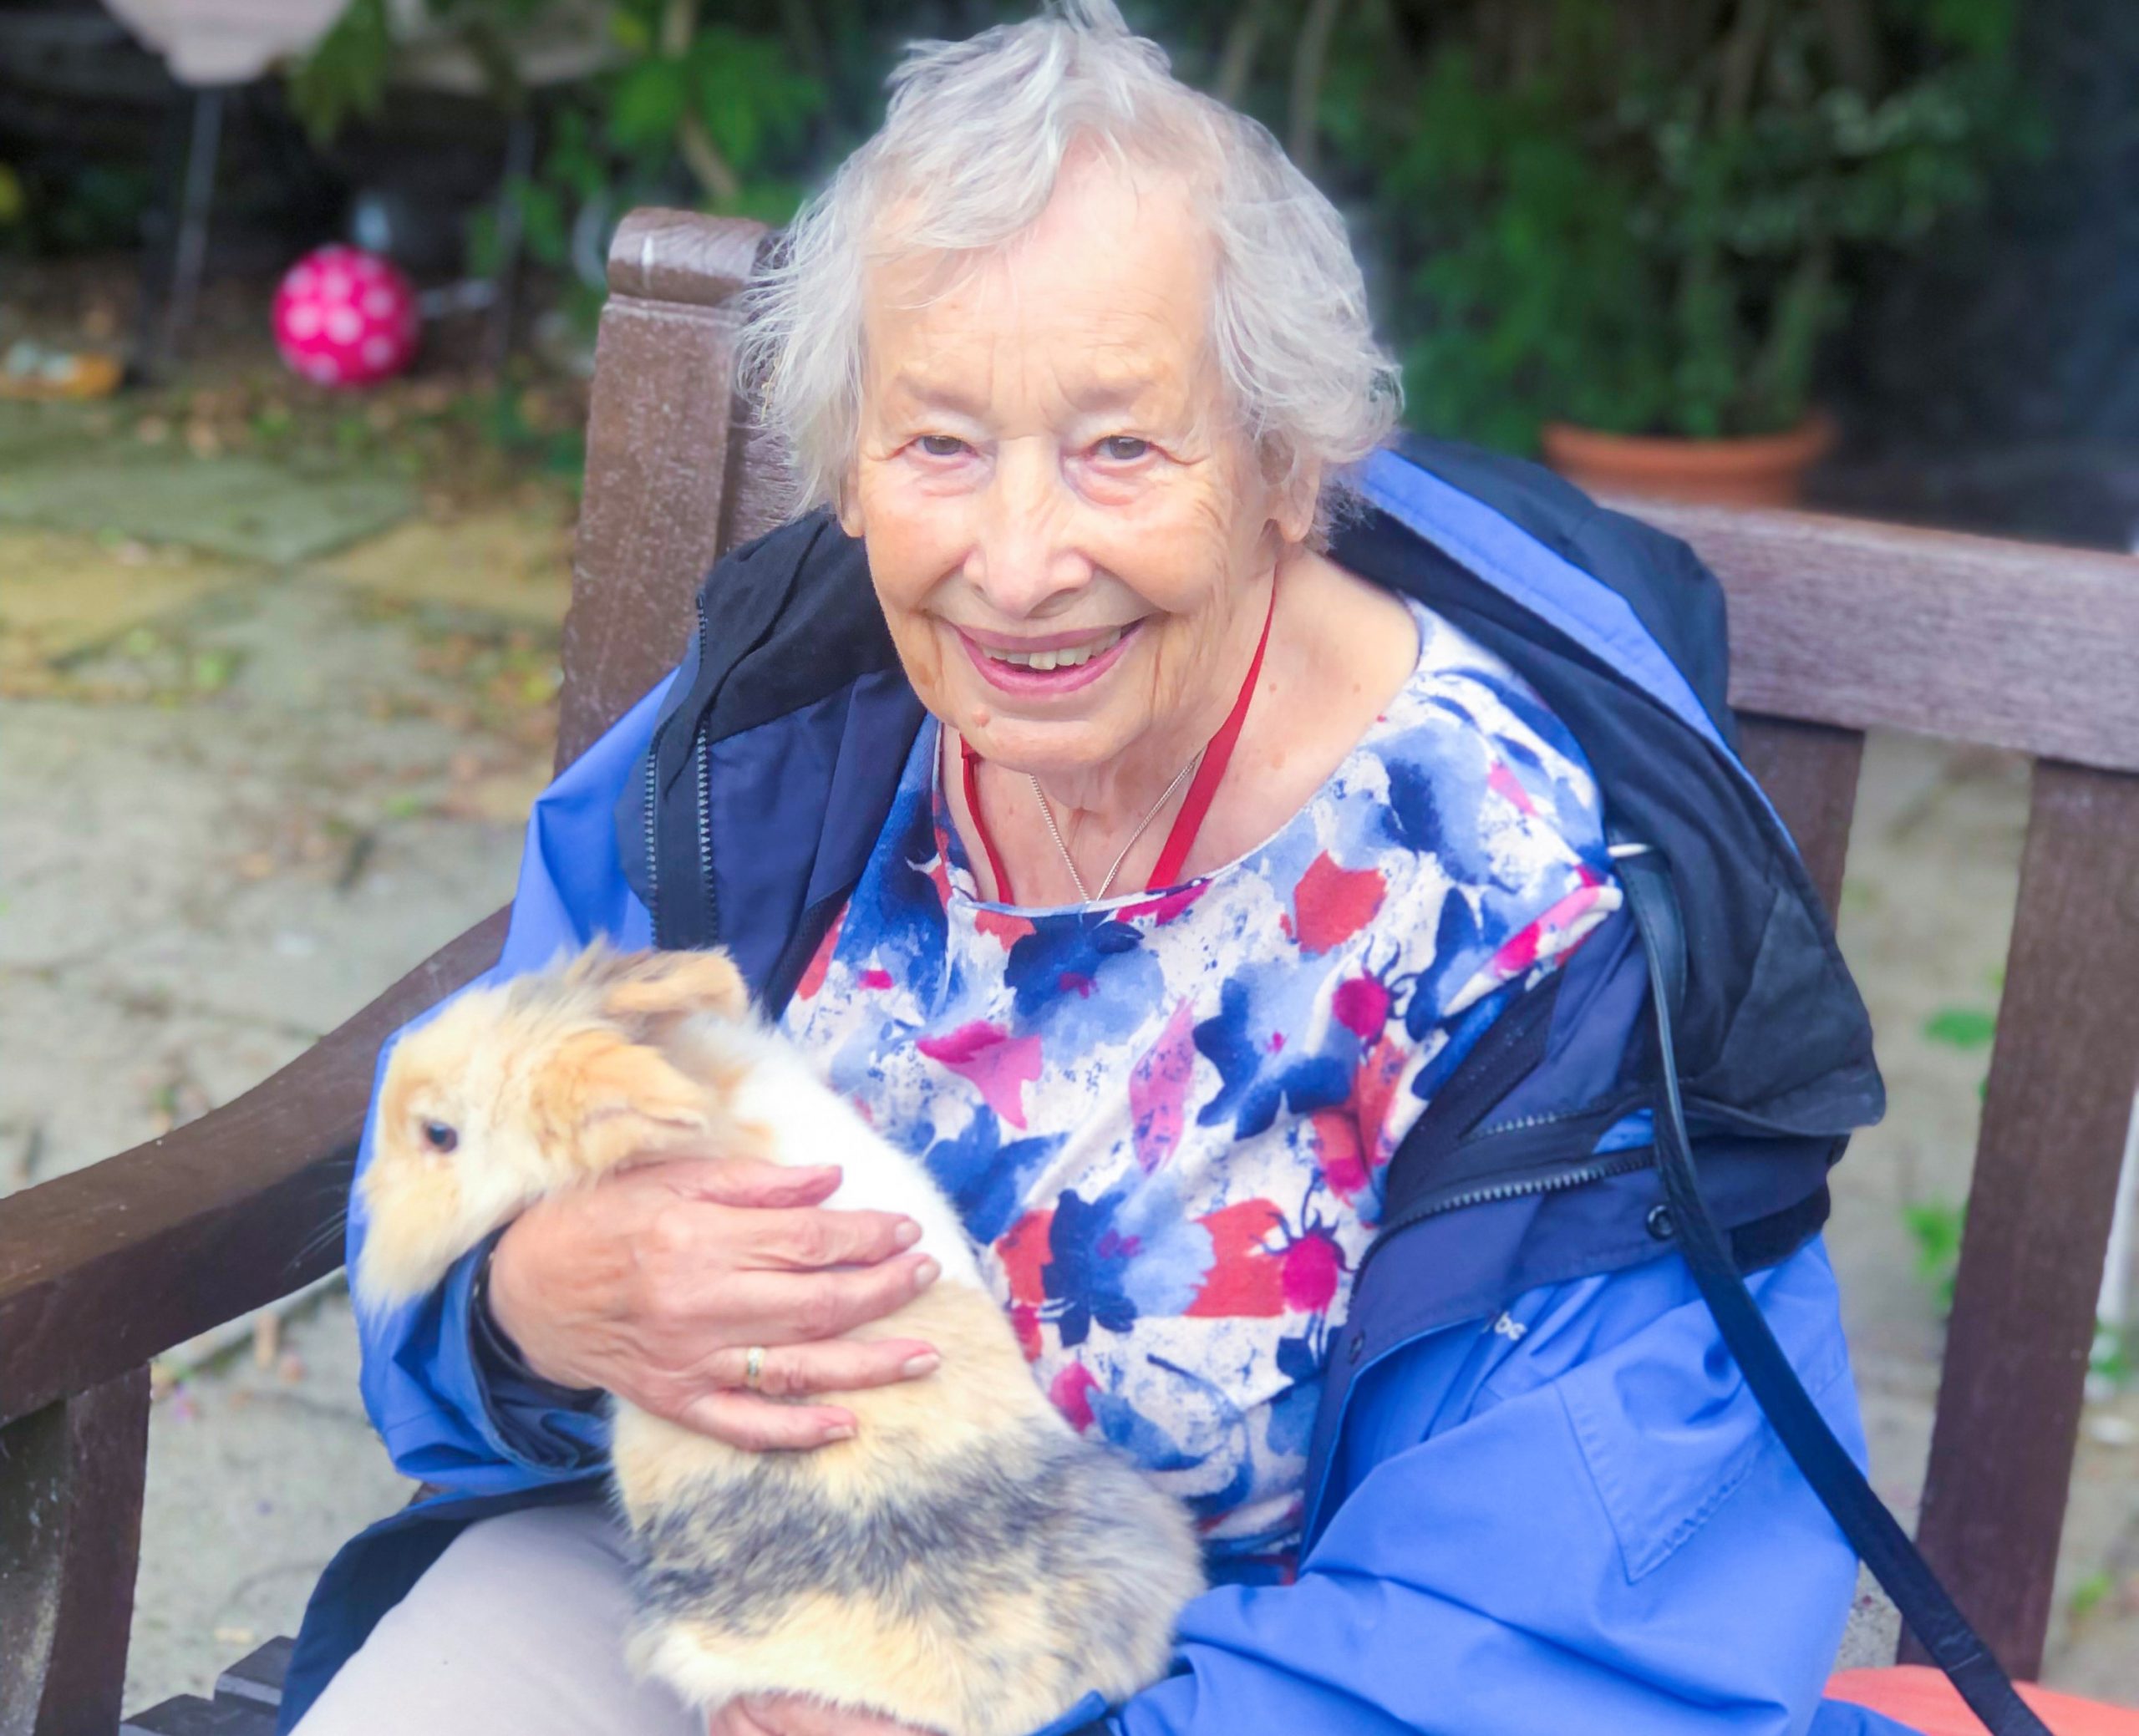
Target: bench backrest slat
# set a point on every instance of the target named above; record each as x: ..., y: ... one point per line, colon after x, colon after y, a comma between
x: 1837, y: 626
x: 2047, y: 1158
x: 662, y: 492
x: 1870, y: 625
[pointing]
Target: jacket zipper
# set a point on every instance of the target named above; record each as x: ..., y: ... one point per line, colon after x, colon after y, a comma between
x: 1494, y: 1067
x: 1618, y: 1163
x: 1507, y: 1057
x: 702, y: 762
x: 653, y: 827
x: 703, y: 773
x: 1523, y: 1124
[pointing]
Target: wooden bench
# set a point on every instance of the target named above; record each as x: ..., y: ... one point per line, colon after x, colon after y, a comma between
x: 1838, y: 627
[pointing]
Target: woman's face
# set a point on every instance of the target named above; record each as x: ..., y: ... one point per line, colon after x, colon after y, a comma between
x: 1067, y: 534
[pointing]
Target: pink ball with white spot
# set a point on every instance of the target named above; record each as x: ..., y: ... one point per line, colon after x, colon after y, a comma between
x: 345, y: 318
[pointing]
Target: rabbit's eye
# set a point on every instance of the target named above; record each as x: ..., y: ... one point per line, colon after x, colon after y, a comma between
x: 439, y: 1137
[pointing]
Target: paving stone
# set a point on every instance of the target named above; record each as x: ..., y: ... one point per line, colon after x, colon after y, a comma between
x: 515, y: 561
x: 132, y: 1065
x: 1926, y: 915
x: 1874, y: 1632
x: 191, y: 899
x: 62, y: 592
x: 29, y: 432
x: 256, y: 1477
x: 238, y: 506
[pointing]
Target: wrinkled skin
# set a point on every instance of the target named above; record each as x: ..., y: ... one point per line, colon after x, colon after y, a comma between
x: 654, y: 1283
x: 1046, y: 447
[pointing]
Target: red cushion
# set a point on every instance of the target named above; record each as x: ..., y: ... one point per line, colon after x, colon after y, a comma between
x: 1922, y: 1698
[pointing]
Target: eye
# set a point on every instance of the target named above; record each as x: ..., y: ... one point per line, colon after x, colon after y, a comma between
x: 1124, y: 449
x: 937, y: 445
x: 439, y: 1137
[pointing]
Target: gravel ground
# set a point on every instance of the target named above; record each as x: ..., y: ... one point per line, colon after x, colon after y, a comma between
x: 244, y: 796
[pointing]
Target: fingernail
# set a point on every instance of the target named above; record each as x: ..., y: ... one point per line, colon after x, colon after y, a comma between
x: 926, y: 1364
x: 926, y: 1274
x: 840, y: 1431
x: 907, y: 1233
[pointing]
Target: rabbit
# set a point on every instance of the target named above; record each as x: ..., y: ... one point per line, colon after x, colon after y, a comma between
x: 967, y: 1562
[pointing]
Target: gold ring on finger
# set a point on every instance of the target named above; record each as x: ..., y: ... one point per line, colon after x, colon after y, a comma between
x: 753, y: 1366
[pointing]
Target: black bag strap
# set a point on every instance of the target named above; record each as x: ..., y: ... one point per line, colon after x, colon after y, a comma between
x: 1879, y: 1541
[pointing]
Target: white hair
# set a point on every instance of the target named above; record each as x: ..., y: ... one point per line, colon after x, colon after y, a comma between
x: 970, y: 151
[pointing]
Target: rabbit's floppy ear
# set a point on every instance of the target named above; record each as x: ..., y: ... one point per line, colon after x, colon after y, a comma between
x: 607, y: 1098
x: 654, y: 986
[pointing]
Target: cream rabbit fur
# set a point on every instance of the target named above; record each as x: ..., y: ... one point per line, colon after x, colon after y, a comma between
x: 968, y: 1562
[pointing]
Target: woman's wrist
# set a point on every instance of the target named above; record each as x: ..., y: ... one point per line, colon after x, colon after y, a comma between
x: 499, y: 1328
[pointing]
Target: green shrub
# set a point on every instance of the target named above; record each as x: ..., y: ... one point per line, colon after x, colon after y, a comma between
x: 1639, y: 214
x: 1643, y: 218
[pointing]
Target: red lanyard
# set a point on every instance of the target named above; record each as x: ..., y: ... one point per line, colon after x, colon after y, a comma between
x: 1194, y: 805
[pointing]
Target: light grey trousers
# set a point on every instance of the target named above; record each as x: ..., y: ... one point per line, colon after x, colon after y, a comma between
x: 518, y: 1626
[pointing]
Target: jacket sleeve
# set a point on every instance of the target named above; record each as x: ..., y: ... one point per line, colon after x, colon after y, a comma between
x: 447, y: 1415
x: 1570, y: 1517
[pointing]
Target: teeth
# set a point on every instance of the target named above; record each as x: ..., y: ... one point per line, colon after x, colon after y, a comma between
x: 1067, y: 658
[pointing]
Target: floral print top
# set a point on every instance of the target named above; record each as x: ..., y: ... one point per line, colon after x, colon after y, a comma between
x: 1166, y: 1115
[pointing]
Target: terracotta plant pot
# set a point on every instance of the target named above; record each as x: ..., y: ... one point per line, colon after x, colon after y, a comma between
x: 1765, y: 470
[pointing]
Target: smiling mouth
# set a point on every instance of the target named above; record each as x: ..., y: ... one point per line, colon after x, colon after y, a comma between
x: 1052, y: 668
x: 1065, y: 657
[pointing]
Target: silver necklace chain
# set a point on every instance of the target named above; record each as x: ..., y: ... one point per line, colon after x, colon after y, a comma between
x: 1053, y: 831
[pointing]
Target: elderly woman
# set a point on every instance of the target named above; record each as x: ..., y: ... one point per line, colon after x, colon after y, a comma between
x: 1206, y: 902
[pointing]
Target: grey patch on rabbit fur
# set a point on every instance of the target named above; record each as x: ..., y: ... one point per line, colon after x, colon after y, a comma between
x: 1039, y: 1515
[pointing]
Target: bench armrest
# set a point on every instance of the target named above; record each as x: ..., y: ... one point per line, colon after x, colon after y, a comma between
x: 105, y: 1268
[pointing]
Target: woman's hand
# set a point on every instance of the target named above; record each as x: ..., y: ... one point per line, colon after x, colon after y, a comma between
x: 788, y: 1714
x: 654, y: 1283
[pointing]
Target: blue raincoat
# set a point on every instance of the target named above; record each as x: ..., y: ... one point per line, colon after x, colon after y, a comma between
x: 1541, y: 1498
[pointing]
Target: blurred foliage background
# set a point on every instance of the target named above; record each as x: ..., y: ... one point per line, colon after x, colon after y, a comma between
x: 1642, y: 215
x: 1692, y: 217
